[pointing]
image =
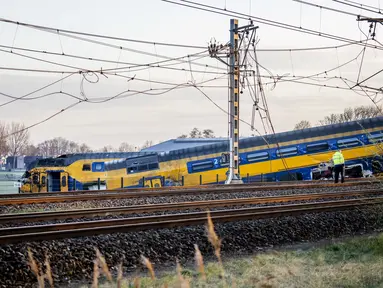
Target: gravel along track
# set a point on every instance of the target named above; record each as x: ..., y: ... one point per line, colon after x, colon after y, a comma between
x: 96, y: 218
x: 172, y: 199
x: 72, y: 259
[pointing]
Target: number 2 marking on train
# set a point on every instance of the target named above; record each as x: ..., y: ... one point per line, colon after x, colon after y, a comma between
x: 215, y: 162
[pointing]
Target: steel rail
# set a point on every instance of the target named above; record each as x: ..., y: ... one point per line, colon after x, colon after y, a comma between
x: 81, y: 229
x: 115, y: 194
x: 350, y: 181
x: 149, y: 208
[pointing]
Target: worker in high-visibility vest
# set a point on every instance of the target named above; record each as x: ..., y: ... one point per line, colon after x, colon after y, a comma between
x: 338, y: 161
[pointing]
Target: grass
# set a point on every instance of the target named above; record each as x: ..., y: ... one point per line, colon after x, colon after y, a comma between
x: 352, y: 263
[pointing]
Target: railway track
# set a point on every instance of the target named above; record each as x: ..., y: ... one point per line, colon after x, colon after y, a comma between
x: 349, y: 181
x: 125, y: 210
x: 20, y: 199
x: 91, y: 228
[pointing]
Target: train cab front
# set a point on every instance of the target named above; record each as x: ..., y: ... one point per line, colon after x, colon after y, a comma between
x: 41, y: 181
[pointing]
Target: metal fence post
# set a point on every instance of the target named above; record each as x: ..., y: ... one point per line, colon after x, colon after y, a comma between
x: 217, y: 178
x: 200, y: 179
x: 122, y: 182
x: 183, y: 180
x: 143, y: 181
x: 163, y: 181
x: 248, y: 178
x: 98, y: 183
x: 74, y: 184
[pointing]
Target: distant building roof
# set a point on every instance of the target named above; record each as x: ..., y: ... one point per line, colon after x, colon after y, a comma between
x: 182, y: 143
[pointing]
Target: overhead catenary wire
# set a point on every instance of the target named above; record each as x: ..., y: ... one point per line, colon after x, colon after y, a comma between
x: 32, y: 92
x: 273, y: 23
x: 63, y: 31
x: 99, y: 101
x: 133, y: 65
x: 328, y: 8
x: 359, y: 6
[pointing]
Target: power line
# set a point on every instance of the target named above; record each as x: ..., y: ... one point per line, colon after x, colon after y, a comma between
x: 35, y: 70
x: 33, y: 92
x: 268, y: 22
x: 60, y: 32
x: 328, y: 8
x: 148, y: 65
x: 361, y: 6
x: 117, y: 96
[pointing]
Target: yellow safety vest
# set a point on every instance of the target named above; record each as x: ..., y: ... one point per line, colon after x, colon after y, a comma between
x: 337, y: 158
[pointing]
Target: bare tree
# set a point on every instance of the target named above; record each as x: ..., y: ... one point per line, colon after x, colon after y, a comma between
x: 147, y: 144
x: 17, y: 140
x: 208, y: 133
x: 302, y: 125
x: 4, y: 149
x: 332, y: 119
x: 125, y: 147
x: 31, y: 150
x: 195, y: 133
x: 84, y: 148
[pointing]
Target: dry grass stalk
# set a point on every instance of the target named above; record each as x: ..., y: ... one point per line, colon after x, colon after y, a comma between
x: 104, y: 266
x: 148, y: 265
x: 119, y: 276
x: 96, y: 273
x: 182, y: 282
x: 199, y: 262
x: 213, y: 238
x: 48, y: 273
x: 137, y: 282
x: 35, y: 269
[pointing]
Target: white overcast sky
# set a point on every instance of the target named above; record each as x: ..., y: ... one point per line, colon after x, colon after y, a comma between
x: 161, y: 117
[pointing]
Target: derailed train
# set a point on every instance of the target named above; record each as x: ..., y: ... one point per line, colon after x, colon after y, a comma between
x: 295, y: 155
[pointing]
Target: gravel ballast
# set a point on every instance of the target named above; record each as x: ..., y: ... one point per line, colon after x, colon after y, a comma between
x: 72, y: 259
x: 173, y: 199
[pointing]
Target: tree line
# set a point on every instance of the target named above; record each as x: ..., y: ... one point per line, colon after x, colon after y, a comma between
x: 15, y: 138
x: 15, y: 141
x: 349, y: 114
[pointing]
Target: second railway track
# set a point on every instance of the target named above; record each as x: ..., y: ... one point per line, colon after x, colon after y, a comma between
x: 91, y: 228
x: 125, y: 210
x: 20, y: 199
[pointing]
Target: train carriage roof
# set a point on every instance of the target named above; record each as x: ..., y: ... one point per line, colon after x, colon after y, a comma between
x: 167, y: 151
x: 68, y: 159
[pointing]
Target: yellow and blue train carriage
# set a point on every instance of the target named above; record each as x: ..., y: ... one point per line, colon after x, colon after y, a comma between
x: 69, y: 172
x: 294, y: 155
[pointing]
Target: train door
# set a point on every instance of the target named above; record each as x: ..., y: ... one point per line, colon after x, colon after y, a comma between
x: 43, y: 182
x: 35, y: 183
x: 64, y: 181
x: 54, y: 181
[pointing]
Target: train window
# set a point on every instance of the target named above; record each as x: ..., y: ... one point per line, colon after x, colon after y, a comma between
x: 142, y: 167
x: 225, y: 159
x: 132, y: 169
x: 153, y: 166
x: 202, y: 165
x: 86, y: 167
x: 63, y: 181
x: 317, y: 147
x: 374, y: 138
x: 260, y: 156
x: 35, y: 179
x: 43, y: 179
x: 284, y: 152
x: 98, y: 166
x: 345, y: 143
